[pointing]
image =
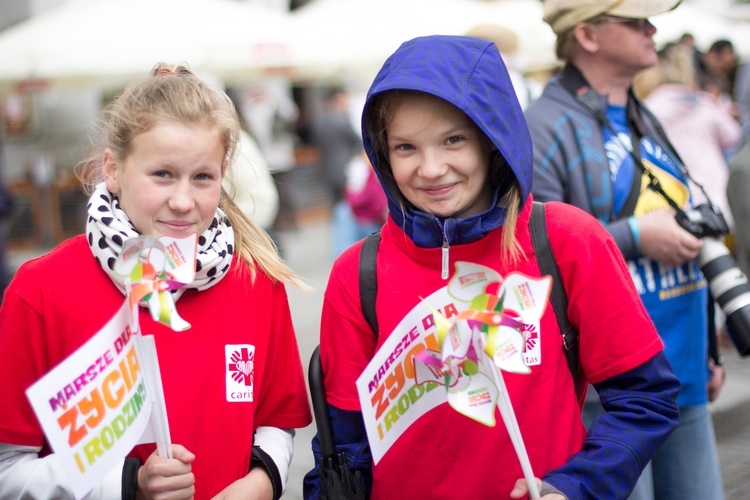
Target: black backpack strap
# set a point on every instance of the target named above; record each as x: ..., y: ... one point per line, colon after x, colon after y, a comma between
x: 368, y: 279
x: 558, y: 297
x: 320, y: 404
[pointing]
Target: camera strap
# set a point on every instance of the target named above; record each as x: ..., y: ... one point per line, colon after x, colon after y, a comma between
x: 665, y: 140
x: 574, y: 82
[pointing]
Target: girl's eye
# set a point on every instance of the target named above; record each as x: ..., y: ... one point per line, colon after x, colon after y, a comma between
x: 161, y: 173
x: 454, y: 139
x: 404, y: 147
x: 203, y: 177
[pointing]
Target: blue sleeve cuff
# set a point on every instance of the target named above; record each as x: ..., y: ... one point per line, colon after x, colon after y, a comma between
x: 633, y: 223
x: 641, y: 412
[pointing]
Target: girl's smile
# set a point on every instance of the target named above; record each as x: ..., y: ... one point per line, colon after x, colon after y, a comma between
x: 439, y: 158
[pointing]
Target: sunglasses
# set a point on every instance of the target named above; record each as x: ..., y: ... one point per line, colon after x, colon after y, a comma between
x: 639, y: 24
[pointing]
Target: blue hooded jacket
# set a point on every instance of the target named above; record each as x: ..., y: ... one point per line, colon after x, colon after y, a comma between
x: 477, y: 83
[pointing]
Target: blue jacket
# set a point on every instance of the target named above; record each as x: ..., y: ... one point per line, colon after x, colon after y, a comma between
x: 571, y: 166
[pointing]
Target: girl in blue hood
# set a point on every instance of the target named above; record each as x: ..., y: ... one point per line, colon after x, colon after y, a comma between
x: 447, y: 138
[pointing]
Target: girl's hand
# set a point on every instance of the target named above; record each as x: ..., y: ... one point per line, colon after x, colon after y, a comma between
x: 255, y: 486
x: 521, y: 490
x: 167, y: 478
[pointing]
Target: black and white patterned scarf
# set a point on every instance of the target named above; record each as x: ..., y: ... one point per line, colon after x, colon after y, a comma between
x: 108, y: 227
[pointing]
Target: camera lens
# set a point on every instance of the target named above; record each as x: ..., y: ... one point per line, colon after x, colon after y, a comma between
x: 730, y: 288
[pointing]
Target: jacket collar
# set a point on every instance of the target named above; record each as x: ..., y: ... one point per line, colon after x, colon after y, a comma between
x: 429, y: 231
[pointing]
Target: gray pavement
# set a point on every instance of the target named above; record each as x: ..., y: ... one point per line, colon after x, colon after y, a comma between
x: 308, y: 252
x: 731, y: 416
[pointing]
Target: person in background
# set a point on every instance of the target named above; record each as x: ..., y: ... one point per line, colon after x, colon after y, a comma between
x: 250, y: 183
x: 598, y: 148
x: 742, y: 97
x: 699, y: 128
x: 252, y: 187
x: 687, y: 40
x: 720, y: 60
x: 6, y: 205
x: 365, y: 197
x: 738, y: 187
x: 170, y: 139
x: 270, y: 114
x: 720, y: 77
x: 702, y: 132
x: 648, y: 79
x: 338, y: 142
x: 739, y: 182
x: 457, y: 175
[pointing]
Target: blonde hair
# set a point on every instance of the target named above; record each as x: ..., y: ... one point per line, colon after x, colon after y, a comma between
x: 676, y: 65
x: 173, y: 93
x: 646, y: 81
x: 377, y: 119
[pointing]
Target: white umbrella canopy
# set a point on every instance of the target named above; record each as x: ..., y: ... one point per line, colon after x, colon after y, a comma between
x: 354, y: 37
x: 705, y: 24
x: 113, y: 40
x: 536, y: 40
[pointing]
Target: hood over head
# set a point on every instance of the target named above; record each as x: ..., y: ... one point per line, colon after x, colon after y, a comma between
x: 470, y: 74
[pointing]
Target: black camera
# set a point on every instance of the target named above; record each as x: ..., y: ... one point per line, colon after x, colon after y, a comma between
x: 728, y: 284
x: 704, y: 221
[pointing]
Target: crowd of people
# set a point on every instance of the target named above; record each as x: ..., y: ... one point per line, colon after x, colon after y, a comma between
x: 457, y: 171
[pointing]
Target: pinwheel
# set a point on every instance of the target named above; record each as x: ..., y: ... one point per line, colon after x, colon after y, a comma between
x: 143, y: 265
x: 150, y: 276
x: 475, y: 346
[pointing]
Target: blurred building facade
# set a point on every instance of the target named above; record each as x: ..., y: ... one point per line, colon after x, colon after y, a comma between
x: 47, y: 128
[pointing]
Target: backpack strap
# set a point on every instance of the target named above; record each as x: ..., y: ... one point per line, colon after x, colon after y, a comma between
x: 548, y: 266
x: 368, y: 279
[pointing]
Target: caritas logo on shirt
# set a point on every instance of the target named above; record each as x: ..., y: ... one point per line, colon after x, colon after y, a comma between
x: 240, y: 363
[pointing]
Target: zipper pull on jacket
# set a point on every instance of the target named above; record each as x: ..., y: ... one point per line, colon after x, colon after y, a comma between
x: 445, y: 260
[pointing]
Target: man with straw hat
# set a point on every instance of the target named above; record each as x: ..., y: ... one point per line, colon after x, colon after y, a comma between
x: 598, y: 148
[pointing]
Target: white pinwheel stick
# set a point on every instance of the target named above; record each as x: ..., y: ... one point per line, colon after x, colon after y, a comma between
x: 152, y: 374
x: 509, y: 417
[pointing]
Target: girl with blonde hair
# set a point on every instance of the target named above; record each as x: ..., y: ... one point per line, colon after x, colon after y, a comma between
x: 170, y: 139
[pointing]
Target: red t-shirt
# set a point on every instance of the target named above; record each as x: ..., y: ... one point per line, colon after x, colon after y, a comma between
x: 56, y: 302
x: 445, y: 454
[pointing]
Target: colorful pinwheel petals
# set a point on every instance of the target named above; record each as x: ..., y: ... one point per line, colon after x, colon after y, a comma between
x: 478, y: 343
x: 150, y: 275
